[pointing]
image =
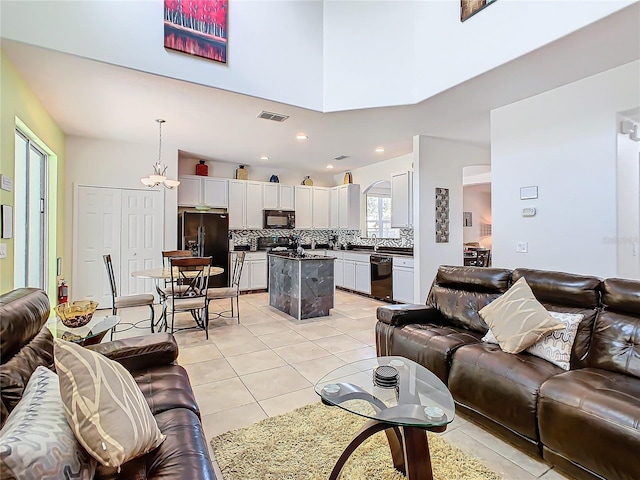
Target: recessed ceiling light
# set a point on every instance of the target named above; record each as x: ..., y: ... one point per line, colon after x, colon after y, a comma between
x: 301, y: 136
x: 379, y: 149
x: 329, y: 166
x: 264, y: 157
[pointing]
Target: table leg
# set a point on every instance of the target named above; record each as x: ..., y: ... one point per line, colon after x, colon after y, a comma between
x: 416, y: 454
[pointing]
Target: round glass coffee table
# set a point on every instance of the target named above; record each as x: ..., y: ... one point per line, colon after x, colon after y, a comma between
x: 398, y: 396
x: 90, y: 334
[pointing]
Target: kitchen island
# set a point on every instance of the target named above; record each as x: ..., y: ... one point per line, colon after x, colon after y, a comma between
x: 301, y: 286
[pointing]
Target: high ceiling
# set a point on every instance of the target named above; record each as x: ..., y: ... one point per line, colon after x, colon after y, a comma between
x: 97, y: 100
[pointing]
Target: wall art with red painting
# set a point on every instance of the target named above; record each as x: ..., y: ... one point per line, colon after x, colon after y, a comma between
x: 197, y: 27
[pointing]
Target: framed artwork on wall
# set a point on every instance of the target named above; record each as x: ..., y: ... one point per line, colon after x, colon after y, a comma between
x: 468, y: 8
x: 467, y: 219
x: 442, y: 215
x: 197, y: 27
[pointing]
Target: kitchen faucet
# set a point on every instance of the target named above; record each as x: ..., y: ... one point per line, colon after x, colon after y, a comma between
x: 375, y: 242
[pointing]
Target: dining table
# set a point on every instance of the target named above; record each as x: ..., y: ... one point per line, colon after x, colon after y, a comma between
x: 164, y: 273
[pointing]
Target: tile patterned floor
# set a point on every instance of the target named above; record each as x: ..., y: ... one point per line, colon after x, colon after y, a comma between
x: 233, y: 373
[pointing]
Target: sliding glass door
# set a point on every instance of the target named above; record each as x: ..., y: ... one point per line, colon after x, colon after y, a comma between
x: 30, y: 233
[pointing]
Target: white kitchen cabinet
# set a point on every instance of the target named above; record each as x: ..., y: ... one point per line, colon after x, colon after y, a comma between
x: 348, y: 206
x: 198, y: 190
x: 338, y: 266
x: 333, y: 216
x: 320, y: 207
x: 254, y: 271
x: 363, y: 277
x: 245, y: 204
x: 403, y: 279
x: 278, y: 197
x: 357, y: 272
x: 349, y: 274
x: 304, y: 206
x: 402, y: 199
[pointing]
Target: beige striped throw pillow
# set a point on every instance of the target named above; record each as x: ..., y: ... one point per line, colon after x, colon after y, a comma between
x: 517, y: 319
x: 104, y: 406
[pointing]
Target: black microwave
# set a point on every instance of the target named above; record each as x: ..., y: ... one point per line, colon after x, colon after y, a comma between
x: 279, y: 219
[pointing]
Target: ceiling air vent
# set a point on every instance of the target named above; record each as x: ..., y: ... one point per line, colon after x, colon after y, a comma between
x: 341, y: 157
x: 276, y: 117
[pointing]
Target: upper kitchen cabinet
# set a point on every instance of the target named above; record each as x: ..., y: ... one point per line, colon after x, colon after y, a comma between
x: 197, y: 190
x: 402, y: 199
x: 304, y: 206
x: 278, y: 197
x: 320, y: 207
x: 245, y: 204
x: 348, y: 206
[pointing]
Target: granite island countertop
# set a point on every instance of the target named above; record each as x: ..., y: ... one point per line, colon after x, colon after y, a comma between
x: 306, y: 256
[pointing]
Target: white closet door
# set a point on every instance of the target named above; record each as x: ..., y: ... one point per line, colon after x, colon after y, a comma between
x: 142, y: 238
x: 96, y: 233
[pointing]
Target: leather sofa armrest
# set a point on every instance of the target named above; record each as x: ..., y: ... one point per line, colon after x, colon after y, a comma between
x: 404, y: 314
x: 138, y: 353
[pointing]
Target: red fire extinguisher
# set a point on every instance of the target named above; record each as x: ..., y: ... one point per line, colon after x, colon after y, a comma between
x: 63, y: 292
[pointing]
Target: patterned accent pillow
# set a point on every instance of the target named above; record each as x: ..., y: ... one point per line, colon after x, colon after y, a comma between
x: 517, y: 319
x: 37, y: 442
x: 556, y: 345
x: 104, y: 406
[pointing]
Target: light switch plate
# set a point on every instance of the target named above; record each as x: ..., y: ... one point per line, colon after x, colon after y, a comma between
x: 529, y: 212
x: 522, y: 247
x: 3, y: 250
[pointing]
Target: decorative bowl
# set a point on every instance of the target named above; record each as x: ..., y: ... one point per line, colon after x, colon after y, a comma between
x: 76, y: 314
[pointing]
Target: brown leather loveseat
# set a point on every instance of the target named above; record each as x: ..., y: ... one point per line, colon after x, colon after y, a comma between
x: 586, y: 420
x: 25, y: 344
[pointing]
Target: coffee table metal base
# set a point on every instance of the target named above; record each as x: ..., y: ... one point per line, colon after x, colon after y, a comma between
x: 409, y: 449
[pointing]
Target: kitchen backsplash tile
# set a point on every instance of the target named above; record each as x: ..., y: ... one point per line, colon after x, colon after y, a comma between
x: 243, y: 237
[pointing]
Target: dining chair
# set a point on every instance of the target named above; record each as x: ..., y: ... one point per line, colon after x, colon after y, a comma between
x: 483, y: 258
x: 166, y: 255
x: 126, y: 301
x: 231, y: 292
x: 189, y: 284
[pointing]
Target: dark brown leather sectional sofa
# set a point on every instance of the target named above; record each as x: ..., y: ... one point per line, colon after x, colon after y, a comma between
x: 25, y: 344
x: 586, y: 421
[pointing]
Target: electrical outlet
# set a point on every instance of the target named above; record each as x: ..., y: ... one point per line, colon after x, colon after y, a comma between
x: 522, y: 247
x: 3, y: 250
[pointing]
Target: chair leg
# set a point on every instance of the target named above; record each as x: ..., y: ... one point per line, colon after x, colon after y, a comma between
x: 232, y: 315
x: 237, y: 306
x: 153, y: 313
x: 114, y: 312
x: 205, y: 320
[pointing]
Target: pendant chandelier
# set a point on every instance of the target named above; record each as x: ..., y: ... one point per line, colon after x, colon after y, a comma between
x: 159, y: 169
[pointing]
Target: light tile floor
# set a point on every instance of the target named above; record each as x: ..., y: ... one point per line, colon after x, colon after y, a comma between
x: 267, y: 365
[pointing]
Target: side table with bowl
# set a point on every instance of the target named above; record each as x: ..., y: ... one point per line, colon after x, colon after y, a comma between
x: 75, y: 323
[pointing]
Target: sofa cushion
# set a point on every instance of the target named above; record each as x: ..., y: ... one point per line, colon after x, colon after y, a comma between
x: 556, y: 345
x: 517, y: 319
x: 37, y: 442
x: 427, y: 344
x: 104, y: 406
x: 616, y: 336
x: 166, y: 387
x: 460, y: 292
x: 591, y: 417
x: 183, y: 455
x: 499, y: 385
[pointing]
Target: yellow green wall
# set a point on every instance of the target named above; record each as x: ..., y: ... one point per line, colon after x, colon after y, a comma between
x: 18, y: 104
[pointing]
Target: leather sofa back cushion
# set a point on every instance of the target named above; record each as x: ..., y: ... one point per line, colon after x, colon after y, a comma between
x: 459, y: 293
x: 561, y: 289
x: 616, y: 338
x: 23, y: 312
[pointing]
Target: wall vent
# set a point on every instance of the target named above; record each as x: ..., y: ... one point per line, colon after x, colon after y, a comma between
x: 341, y: 157
x: 276, y: 117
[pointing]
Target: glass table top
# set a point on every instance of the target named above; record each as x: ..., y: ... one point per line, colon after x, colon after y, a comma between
x: 392, y: 389
x: 97, y: 326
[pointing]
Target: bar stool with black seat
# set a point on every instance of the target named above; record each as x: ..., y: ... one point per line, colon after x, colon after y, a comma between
x: 126, y: 301
x: 230, y: 292
x: 189, y: 284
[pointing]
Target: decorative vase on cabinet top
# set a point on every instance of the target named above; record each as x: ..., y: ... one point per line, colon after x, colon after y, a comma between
x: 202, y: 169
x: 274, y: 179
x: 307, y: 181
x: 348, y: 178
x: 241, y: 173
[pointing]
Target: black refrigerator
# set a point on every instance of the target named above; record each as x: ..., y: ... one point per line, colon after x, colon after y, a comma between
x: 206, y: 234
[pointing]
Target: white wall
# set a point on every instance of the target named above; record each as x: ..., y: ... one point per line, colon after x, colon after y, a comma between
x: 116, y: 164
x: 477, y: 200
x: 331, y: 55
x: 627, y: 239
x: 438, y: 163
x: 274, y: 52
x: 565, y: 142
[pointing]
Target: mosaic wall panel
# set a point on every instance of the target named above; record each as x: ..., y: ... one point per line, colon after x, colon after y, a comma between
x: 442, y: 215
